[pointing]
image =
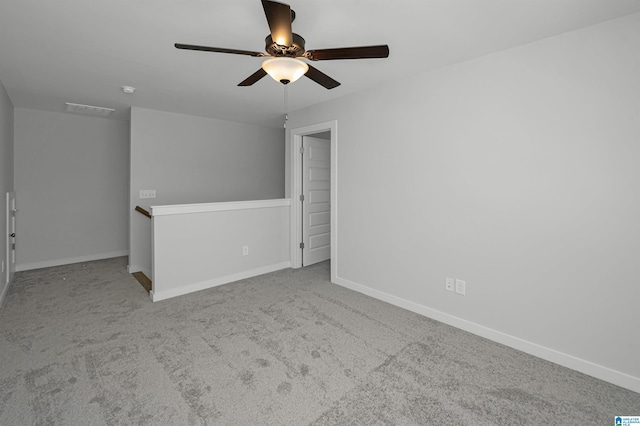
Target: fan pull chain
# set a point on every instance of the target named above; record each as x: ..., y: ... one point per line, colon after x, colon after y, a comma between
x: 286, y: 104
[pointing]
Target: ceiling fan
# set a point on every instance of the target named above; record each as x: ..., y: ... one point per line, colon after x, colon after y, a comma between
x: 284, y: 47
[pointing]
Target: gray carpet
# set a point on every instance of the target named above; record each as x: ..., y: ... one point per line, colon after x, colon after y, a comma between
x: 83, y: 345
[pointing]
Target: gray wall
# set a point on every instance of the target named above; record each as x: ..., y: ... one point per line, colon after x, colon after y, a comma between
x: 517, y: 172
x: 6, y: 173
x: 71, y: 181
x: 189, y: 159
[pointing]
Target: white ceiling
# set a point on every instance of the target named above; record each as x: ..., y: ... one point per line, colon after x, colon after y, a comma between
x: 83, y: 51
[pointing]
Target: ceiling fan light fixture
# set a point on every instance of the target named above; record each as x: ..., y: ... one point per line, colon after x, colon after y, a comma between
x: 285, y: 70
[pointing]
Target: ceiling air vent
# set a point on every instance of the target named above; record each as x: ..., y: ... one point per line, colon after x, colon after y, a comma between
x: 88, y: 109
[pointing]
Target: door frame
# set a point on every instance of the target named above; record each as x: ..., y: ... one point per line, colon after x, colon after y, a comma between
x: 296, y: 190
x: 10, y: 209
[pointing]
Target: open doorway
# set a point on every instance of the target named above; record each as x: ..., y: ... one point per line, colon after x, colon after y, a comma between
x: 314, y: 194
x: 316, y: 198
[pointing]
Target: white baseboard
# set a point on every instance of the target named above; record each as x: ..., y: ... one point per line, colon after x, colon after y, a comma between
x: 214, y: 282
x: 69, y: 260
x: 598, y: 371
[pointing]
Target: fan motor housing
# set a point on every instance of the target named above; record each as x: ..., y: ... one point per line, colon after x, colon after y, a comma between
x: 295, y: 50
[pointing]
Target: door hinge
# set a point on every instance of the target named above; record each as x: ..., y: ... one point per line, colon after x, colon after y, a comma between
x: 301, y: 245
x: 302, y: 198
x: 302, y: 150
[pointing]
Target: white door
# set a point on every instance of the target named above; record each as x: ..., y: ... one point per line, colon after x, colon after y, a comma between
x: 316, y: 203
x: 11, y: 236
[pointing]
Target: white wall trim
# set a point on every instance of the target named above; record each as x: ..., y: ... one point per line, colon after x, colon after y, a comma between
x: 587, y: 367
x: 4, y: 293
x: 8, y: 265
x: 217, y: 207
x: 296, y: 190
x: 203, y: 285
x: 70, y: 260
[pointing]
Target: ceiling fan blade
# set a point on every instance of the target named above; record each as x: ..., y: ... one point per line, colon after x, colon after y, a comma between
x: 253, y: 78
x: 363, y: 52
x: 218, y: 49
x: 321, y: 78
x: 279, y: 17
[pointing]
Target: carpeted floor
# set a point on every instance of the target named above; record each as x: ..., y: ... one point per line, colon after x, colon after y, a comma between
x: 83, y: 345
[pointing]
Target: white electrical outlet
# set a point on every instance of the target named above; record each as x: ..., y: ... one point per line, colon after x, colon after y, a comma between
x: 3, y: 266
x: 449, y: 284
x: 461, y: 287
x: 147, y: 193
x: 245, y: 250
